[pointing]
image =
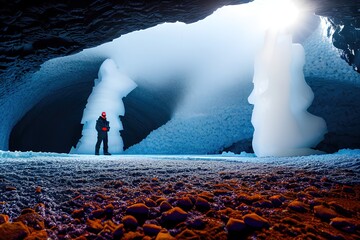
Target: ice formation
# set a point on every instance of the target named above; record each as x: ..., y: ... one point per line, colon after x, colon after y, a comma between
x: 213, y: 61
x: 283, y: 127
x: 107, y: 94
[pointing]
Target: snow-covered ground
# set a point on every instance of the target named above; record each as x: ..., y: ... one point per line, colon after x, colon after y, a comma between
x: 62, y: 176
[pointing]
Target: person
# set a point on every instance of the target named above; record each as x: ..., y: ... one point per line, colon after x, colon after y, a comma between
x: 102, y: 127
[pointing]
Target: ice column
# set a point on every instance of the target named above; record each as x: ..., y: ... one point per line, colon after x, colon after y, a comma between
x: 110, y: 87
x: 283, y: 127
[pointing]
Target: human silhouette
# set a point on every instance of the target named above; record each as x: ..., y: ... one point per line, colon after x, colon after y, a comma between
x: 102, y: 127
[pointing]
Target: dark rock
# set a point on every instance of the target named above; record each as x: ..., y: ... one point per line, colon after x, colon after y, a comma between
x: 164, y: 235
x: 197, y: 223
x: 255, y: 221
x: 94, y: 226
x: 298, y: 206
x: 277, y: 200
x: 235, y: 226
x: 187, y: 234
x: 202, y: 204
x: 165, y: 206
x: 32, y: 220
x: 130, y: 222
x: 185, y: 203
x: 78, y: 213
x: 119, y: 232
x: 13, y: 231
x: 324, y: 212
x: 151, y: 229
x: 4, y: 218
x: 174, y: 215
x: 344, y: 224
x: 150, y: 203
x: 138, y: 210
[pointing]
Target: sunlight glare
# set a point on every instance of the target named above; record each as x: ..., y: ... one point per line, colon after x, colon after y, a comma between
x: 279, y: 14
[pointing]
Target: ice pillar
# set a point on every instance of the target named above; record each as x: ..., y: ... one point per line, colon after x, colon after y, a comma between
x: 283, y: 127
x: 106, y: 96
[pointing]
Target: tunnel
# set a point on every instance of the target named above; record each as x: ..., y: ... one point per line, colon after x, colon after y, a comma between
x: 54, y: 124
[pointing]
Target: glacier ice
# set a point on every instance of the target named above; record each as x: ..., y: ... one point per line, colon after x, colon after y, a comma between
x: 281, y: 97
x: 107, y: 94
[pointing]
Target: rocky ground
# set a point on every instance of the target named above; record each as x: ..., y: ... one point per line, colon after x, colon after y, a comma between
x: 137, y: 197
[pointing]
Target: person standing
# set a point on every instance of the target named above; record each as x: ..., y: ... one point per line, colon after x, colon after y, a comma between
x: 102, y: 127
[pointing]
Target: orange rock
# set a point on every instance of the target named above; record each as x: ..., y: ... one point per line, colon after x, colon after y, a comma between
x: 38, y: 235
x: 151, y: 229
x: 174, y: 215
x: 40, y: 207
x: 94, y: 226
x: 249, y: 199
x: 119, y: 232
x: 207, y: 195
x: 187, y: 234
x: 27, y: 210
x: 165, y: 206
x: 219, y: 192
x: 324, y: 213
x: 235, y: 225
x: 138, y: 209
x: 4, y: 218
x: 298, y: 206
x: 101, y: 196
x: 78, y: 213
x: 185, y: 203
x: 130, y: 222
x: 80, y: 238
x: 256, y: 221
x: 150, y: 203
x: 344, y: 224
x: 32, y: 220
x: 202, y: 204
x: 98, y: 213
x: 133, y: 235
x: 164, y: 235
x: 160, y: 200
x: 38, y: 189
x: 277, y: 200
x: 109, y: 210
x: 13, y: 231
x: 110, y: 225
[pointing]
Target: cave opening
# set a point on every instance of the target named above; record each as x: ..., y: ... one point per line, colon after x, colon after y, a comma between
x: 54, y: 124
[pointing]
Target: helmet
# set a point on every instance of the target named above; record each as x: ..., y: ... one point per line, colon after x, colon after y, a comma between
x: 103, y: 114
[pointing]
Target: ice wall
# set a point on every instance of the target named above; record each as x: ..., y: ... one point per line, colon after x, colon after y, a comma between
x: 283, y: 127
x: 107, y: 94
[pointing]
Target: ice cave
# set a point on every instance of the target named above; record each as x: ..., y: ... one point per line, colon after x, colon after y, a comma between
x: 183, y: 84
x: 229, y: 119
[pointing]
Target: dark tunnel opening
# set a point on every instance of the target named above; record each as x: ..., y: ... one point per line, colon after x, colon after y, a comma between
x: 147, y: 109
x: 54, y: 124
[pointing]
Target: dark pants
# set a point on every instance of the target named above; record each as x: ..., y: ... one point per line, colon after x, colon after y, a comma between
x: 102, y: 137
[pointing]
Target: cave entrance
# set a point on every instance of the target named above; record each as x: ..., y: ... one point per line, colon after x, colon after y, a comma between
x: 53, y: 124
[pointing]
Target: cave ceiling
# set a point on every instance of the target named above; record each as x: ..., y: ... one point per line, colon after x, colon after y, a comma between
x: 33, y: 32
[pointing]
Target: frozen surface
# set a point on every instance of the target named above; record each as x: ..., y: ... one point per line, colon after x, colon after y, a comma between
x: 63, y: 176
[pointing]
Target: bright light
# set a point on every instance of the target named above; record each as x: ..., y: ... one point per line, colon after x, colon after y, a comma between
x: 279, y: 14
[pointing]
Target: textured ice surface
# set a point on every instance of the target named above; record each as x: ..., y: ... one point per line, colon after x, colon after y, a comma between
x: 63, y: 176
